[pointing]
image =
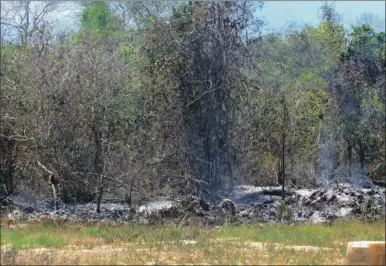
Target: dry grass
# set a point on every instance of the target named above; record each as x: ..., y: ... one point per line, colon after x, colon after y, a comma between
x: 213, y: 253
x: 74, y: 243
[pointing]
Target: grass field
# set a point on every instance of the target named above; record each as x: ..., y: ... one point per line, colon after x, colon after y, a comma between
x: 53, y: 242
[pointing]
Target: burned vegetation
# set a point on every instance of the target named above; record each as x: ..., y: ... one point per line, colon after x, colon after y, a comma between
x: 190, y: 113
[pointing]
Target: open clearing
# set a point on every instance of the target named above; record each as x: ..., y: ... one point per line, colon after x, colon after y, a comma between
x: 50, y: 242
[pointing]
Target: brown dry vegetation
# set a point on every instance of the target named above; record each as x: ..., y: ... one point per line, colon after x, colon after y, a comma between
x: 74, y: 243
x: 193, y: 99
x: 214, y: 253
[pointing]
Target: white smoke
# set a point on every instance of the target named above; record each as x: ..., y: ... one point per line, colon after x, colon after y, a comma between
x: 326, y: 162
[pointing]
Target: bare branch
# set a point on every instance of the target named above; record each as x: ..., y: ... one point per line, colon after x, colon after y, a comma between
x: 44, y: 168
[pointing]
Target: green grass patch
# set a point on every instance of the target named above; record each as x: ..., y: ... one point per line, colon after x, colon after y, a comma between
x: 54, y: 234
x: 29, y: 238
x: 140, y: 244
x: 306, y: 234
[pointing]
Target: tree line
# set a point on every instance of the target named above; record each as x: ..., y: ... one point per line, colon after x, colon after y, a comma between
x: 167, y: 99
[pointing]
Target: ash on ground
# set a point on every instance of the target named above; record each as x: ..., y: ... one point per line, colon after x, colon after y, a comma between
x: 246, y: 204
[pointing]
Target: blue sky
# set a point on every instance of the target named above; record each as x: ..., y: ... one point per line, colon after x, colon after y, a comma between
x: 277, y: 14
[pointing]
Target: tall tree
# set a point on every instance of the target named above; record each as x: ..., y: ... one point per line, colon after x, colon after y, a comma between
x: 99, y: 20
x: 359, y: 86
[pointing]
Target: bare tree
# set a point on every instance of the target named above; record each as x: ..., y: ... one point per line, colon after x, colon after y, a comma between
x: 134, y: 14
x: 52, y: 181
x: 375, y: 21
x: 22, y: 20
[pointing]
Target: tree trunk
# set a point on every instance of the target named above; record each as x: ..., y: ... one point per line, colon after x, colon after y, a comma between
x: 54, y: 197
x: 26, y: 26
x: 9, y: 167
x: 98, y: 164
x: 9, y: 172
x: 99, y: 199
x: 130, y: 192
x: 362, y: 162
x: 128, y: 197
x: 283, y: 148
x: 51, y: 180
x: 349, y: 154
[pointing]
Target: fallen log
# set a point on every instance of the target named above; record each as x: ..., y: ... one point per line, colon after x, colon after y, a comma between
x: 277, y: 192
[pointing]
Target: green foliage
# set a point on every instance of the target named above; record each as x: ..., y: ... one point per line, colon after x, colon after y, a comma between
x: 374, y: 102
x: 284, y: 212
x: 11, y: 55
x: 147, y: 83
x: 97, y: 17
x: 99, y: 22
x: 329, y: 40
x: 183, y: 16
x: 130, y: 51
x: 312, y: 105
x: 269, y: 159
x: 370, y: 211
x: 146, y: 22
x: 365, y: 40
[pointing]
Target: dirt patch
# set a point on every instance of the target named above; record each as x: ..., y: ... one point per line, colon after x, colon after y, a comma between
x: 262, y: 245
x: 105, y: 248
x: 16, y: 226
x: 224, y: 251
